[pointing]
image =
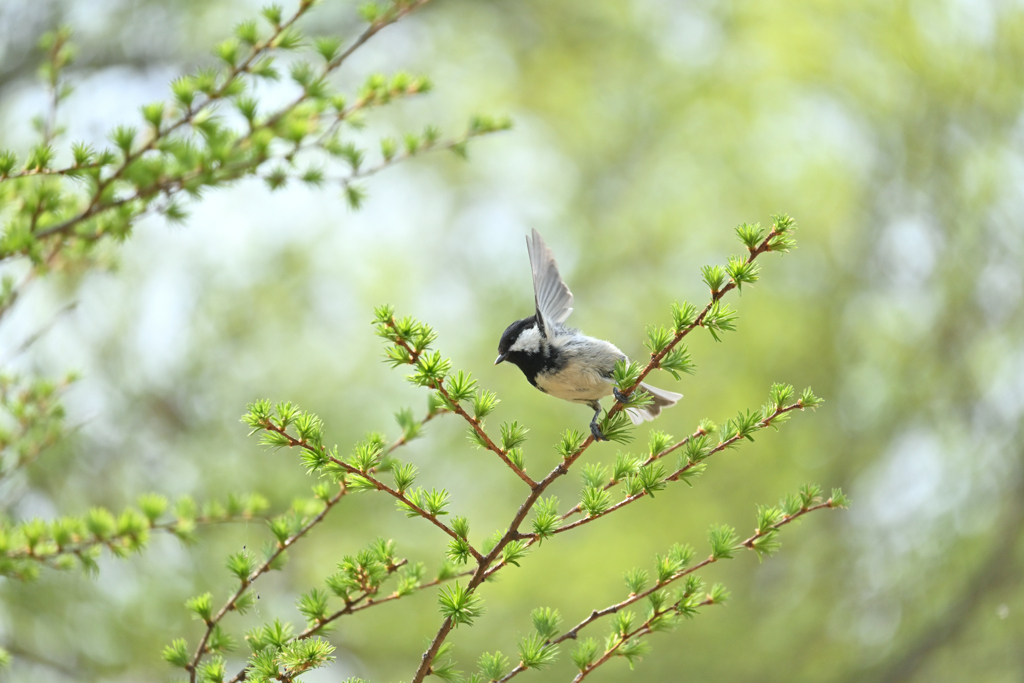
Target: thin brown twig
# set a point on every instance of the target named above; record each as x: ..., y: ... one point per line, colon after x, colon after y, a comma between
x: 377, y: 483
x: 405, y: 156
x: 639, y: 632
x: 331, y: 66
x: 112, y: 543
x: 562, y: 468
x: 576, y: 509
x: 367, y: 596
x: 371, y: 602
x: 187, y: 116
x: 491, y: 446
x: 398, y: 495
x: 228, y: 606
x: 678, y: 473
x: 573, y: 633
x: 361, y: 602
x: 38, y: 334
x: 69, y: 171
x: 401, y: 441
x: 533, y: 538
x: 366, y: 172
x: 216, y: 96
x: 473, y: 422
x: 716, y: 296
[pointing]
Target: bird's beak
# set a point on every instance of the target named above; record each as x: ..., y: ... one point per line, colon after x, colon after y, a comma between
x: 500, y: 358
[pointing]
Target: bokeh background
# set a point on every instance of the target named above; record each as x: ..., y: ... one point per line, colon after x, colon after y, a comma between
x: 645, y: 130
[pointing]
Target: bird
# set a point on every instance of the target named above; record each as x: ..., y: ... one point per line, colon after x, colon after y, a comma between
x: 562, y: 361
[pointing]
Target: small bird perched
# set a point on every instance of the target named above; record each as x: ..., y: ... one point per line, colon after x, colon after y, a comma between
x: 562, y: 361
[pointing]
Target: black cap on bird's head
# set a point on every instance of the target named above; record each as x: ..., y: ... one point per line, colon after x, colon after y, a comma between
x: 511, y: 335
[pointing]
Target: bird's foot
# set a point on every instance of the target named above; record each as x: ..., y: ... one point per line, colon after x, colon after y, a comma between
x: 595, y: 429
x: 619, y: 396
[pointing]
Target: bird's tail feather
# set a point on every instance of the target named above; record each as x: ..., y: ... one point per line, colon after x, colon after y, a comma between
x: 662, y: 399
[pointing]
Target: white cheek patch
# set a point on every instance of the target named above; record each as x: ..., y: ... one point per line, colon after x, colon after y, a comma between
x: 528, y: 341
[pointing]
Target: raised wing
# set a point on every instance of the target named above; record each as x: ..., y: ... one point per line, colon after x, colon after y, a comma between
x: 552, y: 296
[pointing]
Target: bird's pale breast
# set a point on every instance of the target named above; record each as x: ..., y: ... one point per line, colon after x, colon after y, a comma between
x: 585, y: 373
x: 575, y: 382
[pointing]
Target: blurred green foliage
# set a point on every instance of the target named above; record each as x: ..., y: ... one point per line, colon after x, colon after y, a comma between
x: 646, y: 130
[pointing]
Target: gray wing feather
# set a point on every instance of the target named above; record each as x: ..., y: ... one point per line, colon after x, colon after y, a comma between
x: 662, y: 399
x: 552, y: 296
